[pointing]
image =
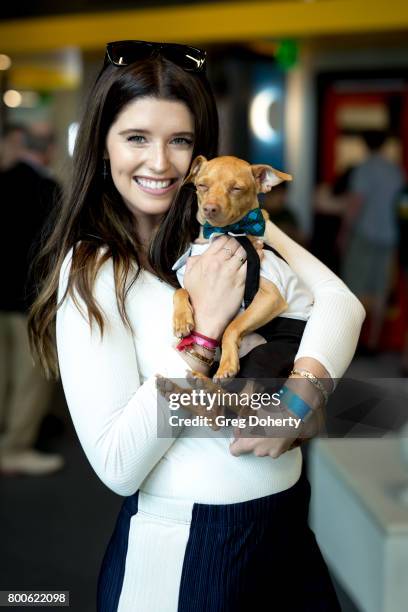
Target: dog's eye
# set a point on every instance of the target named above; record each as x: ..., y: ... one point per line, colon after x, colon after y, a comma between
x: 237, y: 189
x: 202, y: 187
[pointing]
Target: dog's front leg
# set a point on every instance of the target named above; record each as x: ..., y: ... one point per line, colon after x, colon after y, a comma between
x: 183, y: 317
x: 267, y: 304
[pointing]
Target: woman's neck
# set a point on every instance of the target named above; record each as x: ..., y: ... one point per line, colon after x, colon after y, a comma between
x: 146, y: 226
x: 145, y: 230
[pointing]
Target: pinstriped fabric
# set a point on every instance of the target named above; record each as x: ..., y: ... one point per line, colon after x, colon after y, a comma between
x: 255, y: 552
x: 215, y: 563
x: 113, y: 566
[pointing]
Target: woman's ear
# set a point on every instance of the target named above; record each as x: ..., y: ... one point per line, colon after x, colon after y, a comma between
x: 267, y: 177
x: 195, y: 168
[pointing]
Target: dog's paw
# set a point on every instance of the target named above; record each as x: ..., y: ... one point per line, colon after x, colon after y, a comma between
x: 228, y: 369
x: 220, y: 376
x: 183, y: 324
x: 197, y: 380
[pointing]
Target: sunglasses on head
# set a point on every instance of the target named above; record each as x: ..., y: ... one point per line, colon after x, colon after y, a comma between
x: 125, y: 52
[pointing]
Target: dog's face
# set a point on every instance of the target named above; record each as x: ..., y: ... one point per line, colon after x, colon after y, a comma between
x: 227, y: 187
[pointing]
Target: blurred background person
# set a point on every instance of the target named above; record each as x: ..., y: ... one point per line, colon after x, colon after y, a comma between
x: 329, y: 205
x: 28, y: 196
x: 402, y: 216
x: 368, y: 235
x: 11, y: 145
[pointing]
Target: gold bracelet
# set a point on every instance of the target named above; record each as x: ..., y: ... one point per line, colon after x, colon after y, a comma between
x: 315, y: 381
x: 206, y: 348
x: 196, y: 355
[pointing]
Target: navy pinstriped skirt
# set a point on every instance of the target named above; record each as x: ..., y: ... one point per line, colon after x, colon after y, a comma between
x: 226, y: 558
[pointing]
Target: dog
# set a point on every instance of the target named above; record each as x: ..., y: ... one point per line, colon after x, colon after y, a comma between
x: 227, y: 189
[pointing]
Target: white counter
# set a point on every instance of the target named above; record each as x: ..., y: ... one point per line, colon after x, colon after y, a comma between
x: 359, y: 522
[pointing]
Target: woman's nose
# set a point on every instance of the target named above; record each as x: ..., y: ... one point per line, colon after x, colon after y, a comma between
x: 159, y: 160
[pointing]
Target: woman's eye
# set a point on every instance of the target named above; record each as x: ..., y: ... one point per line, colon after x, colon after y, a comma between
x: 136, y: 138
x: 184, y: 141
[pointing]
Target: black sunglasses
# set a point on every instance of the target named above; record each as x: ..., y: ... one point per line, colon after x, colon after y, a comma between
x: 125, y: 52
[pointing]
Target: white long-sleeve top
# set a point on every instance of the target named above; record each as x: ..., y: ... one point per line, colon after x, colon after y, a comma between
x: 109, y: 384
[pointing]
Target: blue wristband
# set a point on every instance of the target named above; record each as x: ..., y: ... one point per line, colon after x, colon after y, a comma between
x: 294, y: 403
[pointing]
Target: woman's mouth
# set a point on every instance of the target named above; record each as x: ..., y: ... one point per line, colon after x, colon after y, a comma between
x: 155, y: 186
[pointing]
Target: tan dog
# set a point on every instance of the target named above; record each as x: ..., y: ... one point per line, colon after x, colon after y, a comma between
x: 227, y: 189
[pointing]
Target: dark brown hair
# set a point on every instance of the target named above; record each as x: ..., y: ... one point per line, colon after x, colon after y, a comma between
x: 92, y: 214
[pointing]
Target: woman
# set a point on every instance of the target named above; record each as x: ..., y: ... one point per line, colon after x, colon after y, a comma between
x: 200, y: 528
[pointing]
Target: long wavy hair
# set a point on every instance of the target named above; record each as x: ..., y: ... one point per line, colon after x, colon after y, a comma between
x: 92, y: 218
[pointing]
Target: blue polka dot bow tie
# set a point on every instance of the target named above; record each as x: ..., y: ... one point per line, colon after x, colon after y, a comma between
x: 253, y: 224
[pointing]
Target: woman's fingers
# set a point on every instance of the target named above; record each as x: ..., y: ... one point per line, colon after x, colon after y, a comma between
x: 260, y: 447
x: 219, y: 244
x: 231, y: 253
x: 224, y: 246
x: 165, y: 387
x: 191, y: 261
x: 237, y: 260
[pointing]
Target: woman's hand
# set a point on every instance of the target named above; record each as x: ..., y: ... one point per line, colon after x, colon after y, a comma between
x: 270, y: 445
x: 275, y: 438
x: 249, y: 441
x: 215, y: 282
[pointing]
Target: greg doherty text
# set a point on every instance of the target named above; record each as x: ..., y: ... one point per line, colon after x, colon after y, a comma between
x: 223, y: 421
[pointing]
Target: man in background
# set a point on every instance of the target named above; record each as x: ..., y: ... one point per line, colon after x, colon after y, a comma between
x: 11, y: 145
x: 369, y: 232
x: 28, y: 196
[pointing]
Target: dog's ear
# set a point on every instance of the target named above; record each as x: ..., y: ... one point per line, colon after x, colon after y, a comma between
x: 195, y: 168
x: 267, y: 177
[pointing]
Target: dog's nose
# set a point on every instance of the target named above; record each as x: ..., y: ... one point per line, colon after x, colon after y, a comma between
x: 210, y: 210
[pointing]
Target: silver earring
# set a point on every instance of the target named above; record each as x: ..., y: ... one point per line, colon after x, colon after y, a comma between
x: 105, y: 170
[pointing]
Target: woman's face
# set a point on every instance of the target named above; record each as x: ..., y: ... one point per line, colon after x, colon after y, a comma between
x: 149, y: 147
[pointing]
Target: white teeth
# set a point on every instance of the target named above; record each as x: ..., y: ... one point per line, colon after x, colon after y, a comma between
x: 150, y: 184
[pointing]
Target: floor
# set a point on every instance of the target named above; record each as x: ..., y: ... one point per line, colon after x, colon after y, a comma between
x: 54, y: 529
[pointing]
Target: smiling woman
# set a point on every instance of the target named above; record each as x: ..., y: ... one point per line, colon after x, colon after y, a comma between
x: 198, y: 524
x: 149, y: 157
